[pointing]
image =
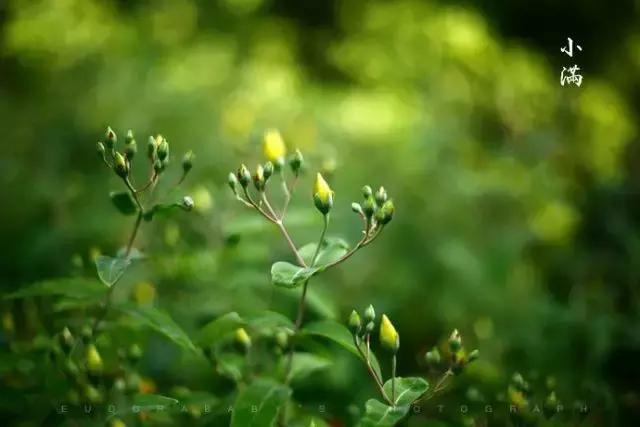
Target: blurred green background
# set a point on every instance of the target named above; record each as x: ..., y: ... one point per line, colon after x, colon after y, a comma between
x: 518, y: 217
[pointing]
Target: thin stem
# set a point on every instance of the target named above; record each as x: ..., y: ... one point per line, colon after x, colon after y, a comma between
x: 287, y: 193
x: 292, y: 245
x: 393, y: 379
x: 256, y: 207
x: 134, y: 233
x: 440, y: 385
x: 325, y: 225
x: 372, y: 373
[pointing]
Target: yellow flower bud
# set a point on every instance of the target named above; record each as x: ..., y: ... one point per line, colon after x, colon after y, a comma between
x: 274, y: 148
x: 322, y: 194
x: 93, y: 360
x: 389, y: 338
x: 243, y: 338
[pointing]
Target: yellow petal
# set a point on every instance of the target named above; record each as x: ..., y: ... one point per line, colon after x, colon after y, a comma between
x: 388, y: 336
x: 274, y: 148
x: 322, y: 189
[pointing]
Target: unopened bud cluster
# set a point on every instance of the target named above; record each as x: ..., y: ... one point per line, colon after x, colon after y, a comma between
x: 458, y: 357
x: 377, y: 208
x: 363, y: 327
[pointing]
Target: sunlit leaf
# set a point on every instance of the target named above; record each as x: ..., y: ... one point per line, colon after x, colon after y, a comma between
x: 287, y: 275
x: 110, y: 270
x: 332, y: 249
x: 377, y: 414
x: 407, y: 389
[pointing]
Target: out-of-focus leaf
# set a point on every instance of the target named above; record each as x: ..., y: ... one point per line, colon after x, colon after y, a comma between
x: 331, y: 250
x: 304, y: 364
x: 268, y: 320
x: 161, y: 322
x: 80, y: 288
x: 123, y: 201
x: 153, y: 401
x: 377, y: 414
x: 287, y: 275
x: 339, y: 334
x: 218, y: 328
x: 407, y: 389
x: 257, y: 404
x: 230, y: 365
x: 110, y: 270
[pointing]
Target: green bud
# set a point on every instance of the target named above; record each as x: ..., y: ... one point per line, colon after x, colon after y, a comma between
x: 135, y: 353
x: 367, y: 192
x: 66, y: 340
x: 551, y: 403
x: 93, y: 360
x: 282, y: 339
x: 455, y: 341
x: 244, y: 176
x: 187, y: 162
x: 369, y: 207
x: 232, y: 181
x: 128, y: 139
x: 163, y: 150
x: 354, y: 322
x: 381, y: 196
x: 110, y: 138
x: 369, y: 314
x: 278, y: 164
x: 357, y: 208
x: 100, y: 150
x: 258, y: 178
x: 295, y: 162
x: 158, y: 167
x: 130, y: 146
x: 92, y: 394
x: 152, y: 149
x: 120, y: 165
x: 268, y: 171
x: 385, y: 213
x: 432, y: 357
x: 473, y: 356
x: 187, y: 203
x: 322, y: 206
x: 86, y: 334
x: 369, y: 327
x: 119, y: 384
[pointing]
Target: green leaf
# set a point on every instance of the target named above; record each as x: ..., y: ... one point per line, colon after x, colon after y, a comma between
x: 407, y: 389
x: 377, y: 414
x: 304, y: 364
x: 257, y: 405
x: 153, y: 401
x: 339, y: 334
x: 110, y: 270
x: 287, y: 275
x: 269, y: 320
x: 161, y: 322
x: 213, y: 331
x: 230, y: 365
x: 332, y: 249
x: 123, y: 201
x: 80, y: 288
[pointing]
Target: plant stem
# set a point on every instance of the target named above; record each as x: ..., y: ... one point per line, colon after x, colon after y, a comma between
x: 288, y: 193
x: 325, y: 225
x: 372, y: 373
x: 393, y: 379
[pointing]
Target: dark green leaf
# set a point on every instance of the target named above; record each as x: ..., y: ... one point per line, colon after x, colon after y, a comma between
x: 218, y: 328
x: 269, y: 320
x: 407, y: 389
x: 161, y: 322
x: 124, y: 202
x: 377, y: 414
x: 257, y: 404
x: 230, y: 365
x: 287, y: 275
x: 70, y: 287
x: 339, y: 334
x: 304, y: 364
x: 153, y: 401
x: 110, y: 270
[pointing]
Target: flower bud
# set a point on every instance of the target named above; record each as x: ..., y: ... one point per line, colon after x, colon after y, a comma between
x: 369, y: 314
x: 66, y: 339
x: 354, y: 322
x: 86, y: 334
x: 274, y: 148
x: 163, y: 150
x: 187, y: 162
x: 357, y: 208
x: 369, y: 327
x: 158, y: 167
x: 120, y: 165
x: 473, y: 356
x: 93, y: 360
x: 432, y: 357
x: 258, y: 178
x: 232, y: 181
x: 110, y: 138
x: 385, y: 213
x: 282, y: 339
x: 243, y: 339
x: 381, y: 196
x: 455, y: 341
x: 389, y: 338
x: 268, y: 171
x: 367, y: 192
x: 187, y: 203
x: 130, y: 146
x: 322, y: 195
x: 295, y: 162
x: 134, y: 353
x: 100, y: 149
x: 551, y: 403
x: 244, y: 176
x: 369, y: 207
x: 152, y: 149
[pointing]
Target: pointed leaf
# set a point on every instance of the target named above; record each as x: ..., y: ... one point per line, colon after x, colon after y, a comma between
x: 287, y: 275
x: 304, y: 364
x: 258, y: 404
x: 332, y: 249
x: 377, y: 414
x: 123, y: 201
x: 80, y: 288
x: 110, y: 270
x: 218, y: 328
x: 407, y: 389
